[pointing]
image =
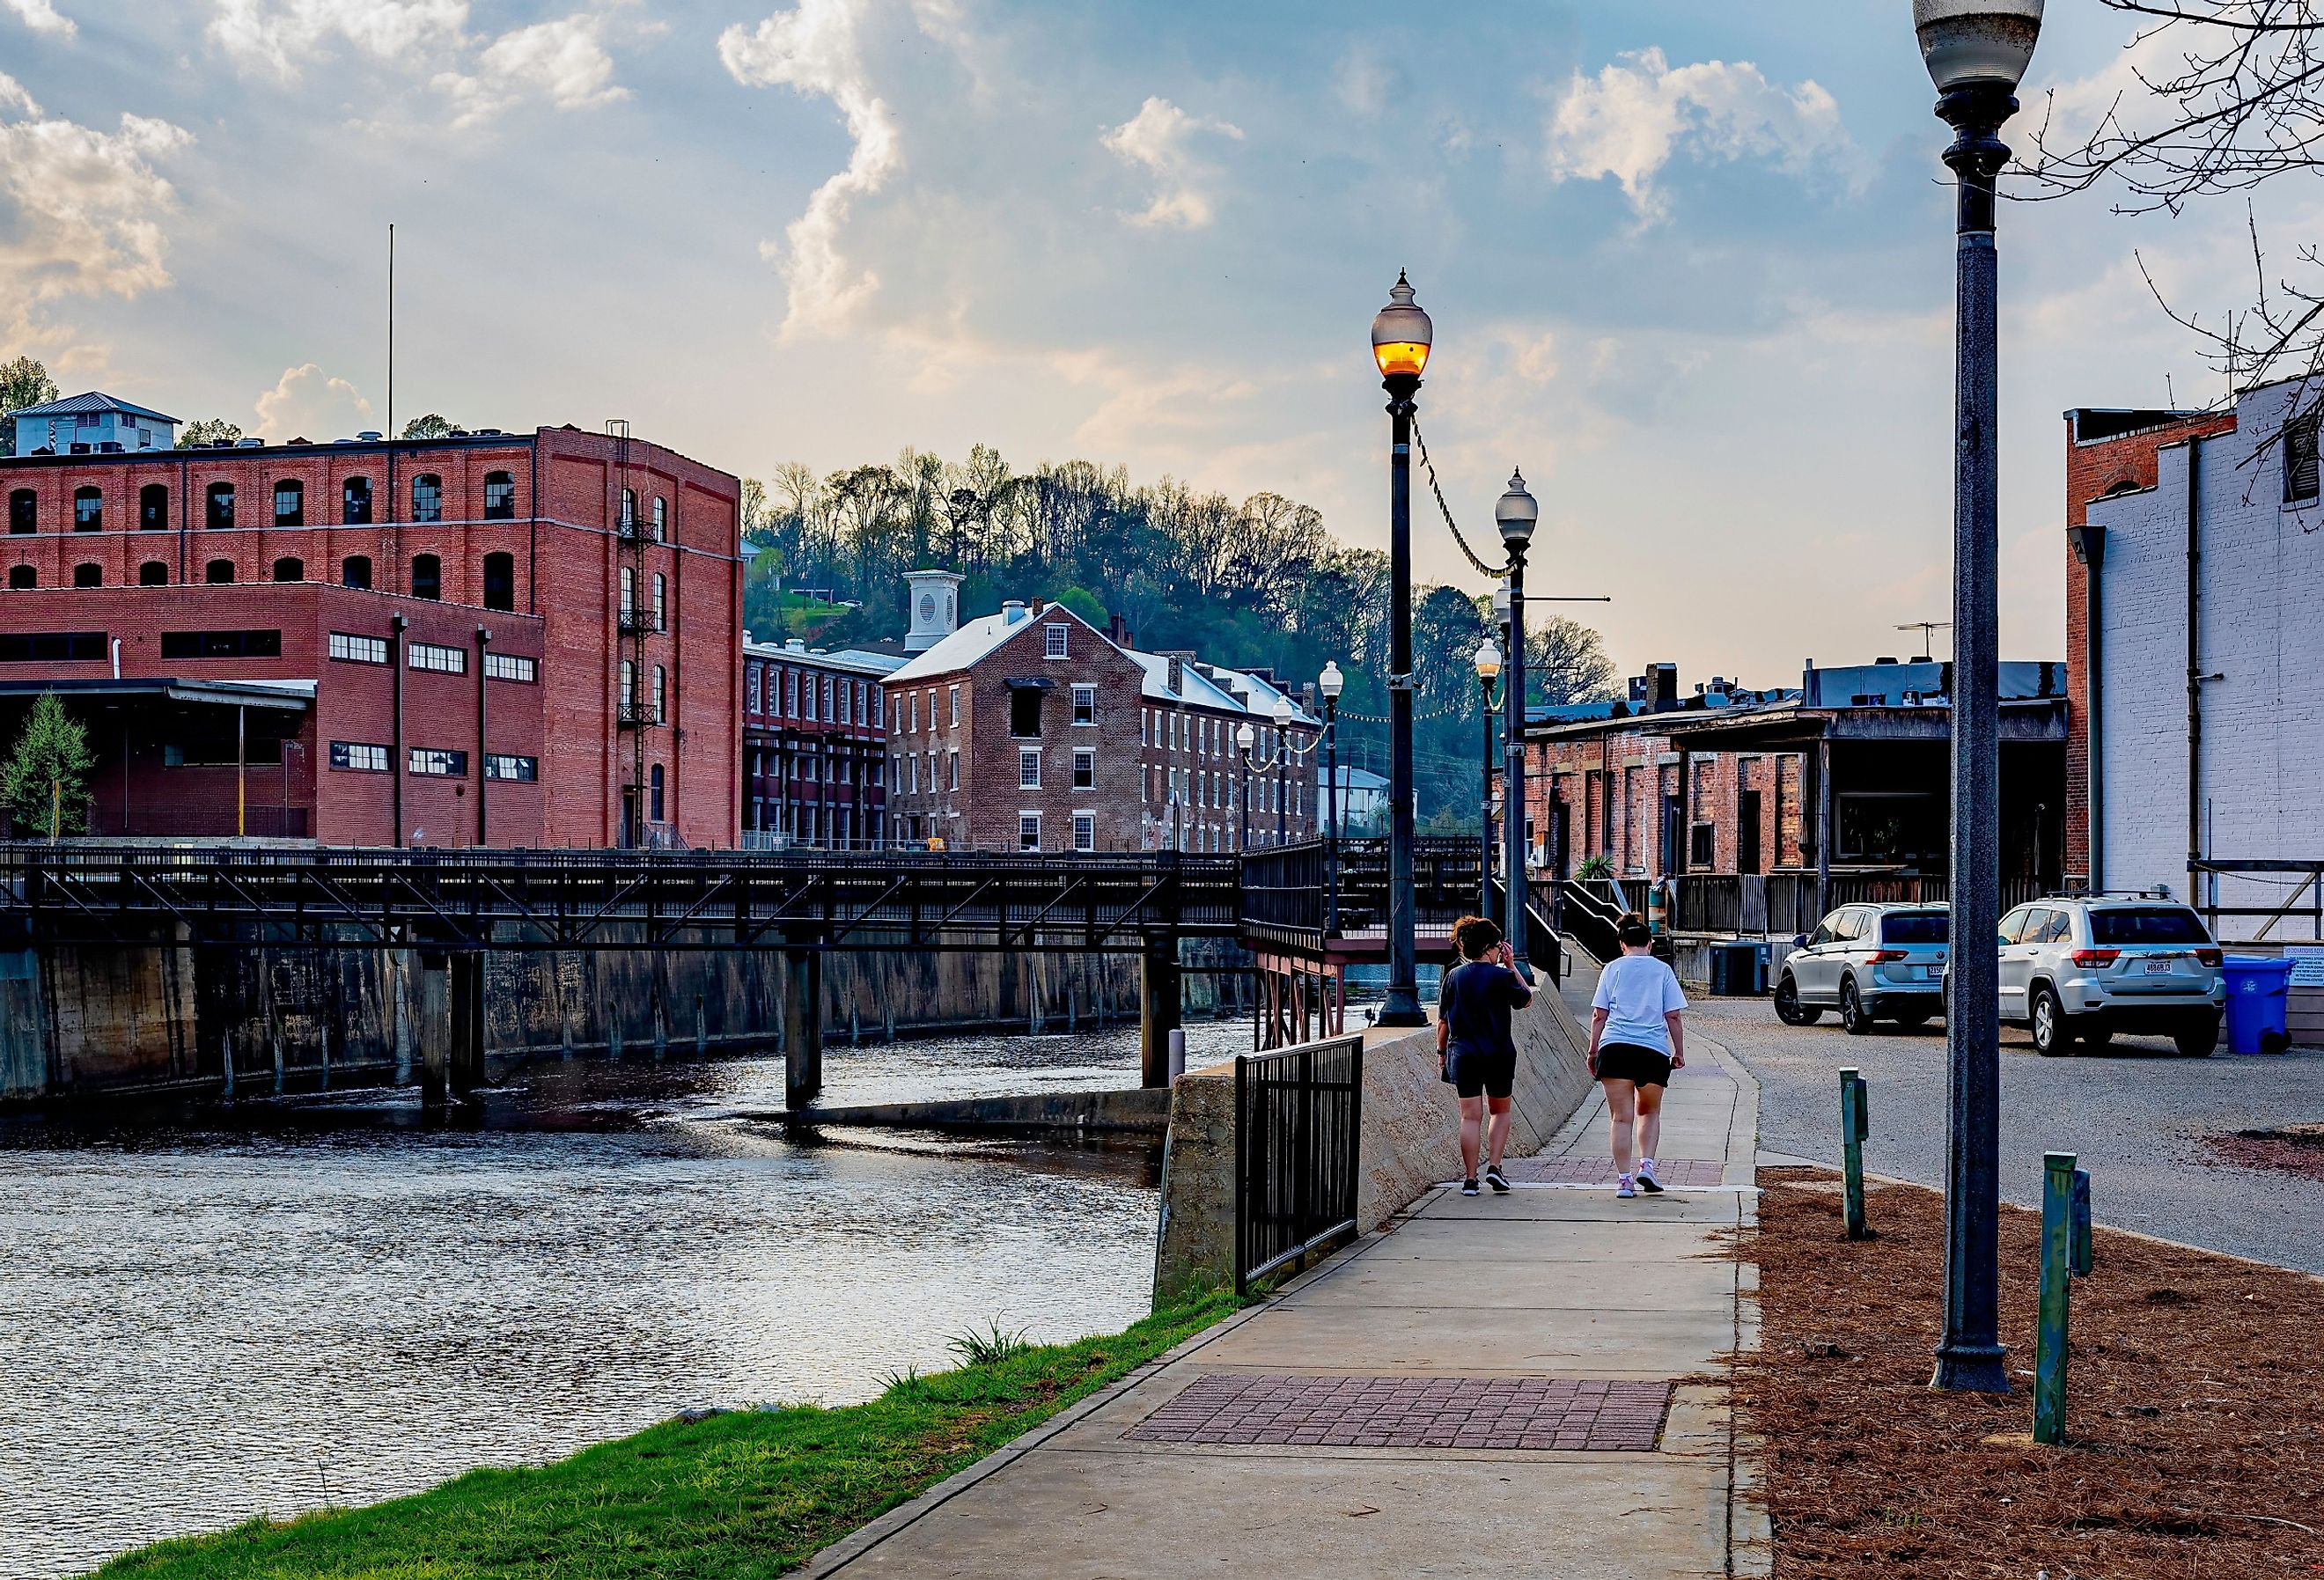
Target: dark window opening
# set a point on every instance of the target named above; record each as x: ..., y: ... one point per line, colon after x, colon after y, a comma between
x: 500, y: 498
x: 1914, y: 927
x: 51, y: 647
x: 500, y: 581
x: 426, y: 577
x: 2300, y: 456
x: 289, y: 568
x: 219, y: 572
x: 427, y: 497
x: 24, y: 511
x: 153, y: 573
x: 152, y: 508
x: 2158, y: 925
x: 1025, y: 711
x: 222, y: 644
x: 290, y: 503
x: 354, y: 570
x: 21, y: 577
x: 1702, y: 845
x: 355, y: 503
x: 89, y: 510
x: 88, y: 574
x: 653, y: 794
x: 220, y: 509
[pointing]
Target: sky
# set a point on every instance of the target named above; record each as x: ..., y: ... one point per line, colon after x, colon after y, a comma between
x: 1690, y: 263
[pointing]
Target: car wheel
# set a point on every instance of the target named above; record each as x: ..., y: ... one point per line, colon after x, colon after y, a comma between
x: 1788, y: 1008
x: 2198, y: 1040
x: 2051, y: 1038
x: 1852, y: 1009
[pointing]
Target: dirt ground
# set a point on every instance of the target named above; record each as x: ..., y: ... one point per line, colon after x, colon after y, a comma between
x: 2195, y: 1407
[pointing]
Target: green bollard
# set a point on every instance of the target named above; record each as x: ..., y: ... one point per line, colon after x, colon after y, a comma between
x: 2065, y: 1253
x: 1855, y: 1128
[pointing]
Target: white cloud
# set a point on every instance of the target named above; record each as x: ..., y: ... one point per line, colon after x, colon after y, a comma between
x: 283, y: 35
x: 564, y: 61
x: 1158, y: 138
x: 80, y: 209
x: 308, y: 402
x: 41, y: 17
x: 1361, y: 83
x: 1636, y: 115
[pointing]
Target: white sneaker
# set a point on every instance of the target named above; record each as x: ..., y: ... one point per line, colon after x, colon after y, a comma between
x: 1626, y: 1188
x: 1646, y: 1180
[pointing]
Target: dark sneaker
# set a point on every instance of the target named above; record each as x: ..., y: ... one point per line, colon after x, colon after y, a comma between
x: 1647, y: 1182
x: 1468, y: 1187
x: 1497, y: 1179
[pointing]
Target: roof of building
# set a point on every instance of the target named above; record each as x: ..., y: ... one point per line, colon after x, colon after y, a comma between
x: 1358, y: 778
x: 976, y: 640
x: 91, y: 401
x: 847, y: 658
x: 1195, y: 687
x: 1260, y: 693
x: 289, y: 694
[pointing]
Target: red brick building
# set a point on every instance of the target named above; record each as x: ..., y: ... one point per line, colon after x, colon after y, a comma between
x: 625, y: 552
x: 815, y: 746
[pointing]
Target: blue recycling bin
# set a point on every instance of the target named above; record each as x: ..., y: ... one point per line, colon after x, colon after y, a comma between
x: 2259, y: 992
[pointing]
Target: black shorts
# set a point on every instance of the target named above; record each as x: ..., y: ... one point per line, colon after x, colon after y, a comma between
x: 1626, y: 1061
x: 1478, y: 1074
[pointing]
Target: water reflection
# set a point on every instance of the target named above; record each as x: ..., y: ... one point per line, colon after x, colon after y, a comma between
x: 209, y: 1316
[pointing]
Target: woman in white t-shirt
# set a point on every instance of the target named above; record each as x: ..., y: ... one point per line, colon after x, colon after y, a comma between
x: 1635, y: 1041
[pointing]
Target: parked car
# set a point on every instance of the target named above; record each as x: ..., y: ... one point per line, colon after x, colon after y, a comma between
x: 2083, y: 968
x: 1870, y: 963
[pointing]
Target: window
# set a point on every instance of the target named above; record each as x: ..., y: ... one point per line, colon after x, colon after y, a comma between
x: 660, y: 518
x: 843, y: 716
x: 951, y: 770
x: 152, y: 508
x: 807, y: 698
x: 1085, y: 705
x: 23, y: 577
x: 661, y: 693
x: 654, y: 796
x: 427, y: 497
x: 499, y: 582
x: 628, y: 507
x: 1084, y: 768
x: 827, y: 700
x: 500, y: 498
x: 354, y: 570
x: 1702, y: 847
x: 952, y: 706
x: 2300, y: 457
x: 791, y: 694
x: 629, y: 684
x: 878, y: 706
x: 2147, y: 925
x: 354, y: 503
x: 24, y: 511
x: 521, y: 769
x: 1025, y: 711
x: 1029, y: 769
x: 218, y: 573
x: 755, y: 671
x: 1055, y: 641
x: 51, y: 647
x: 629, y: 594
x: 219, y: 510
x: 351, y: 649
x: 221, y: 644
x: 89, y: 510
x: 662, y: 593
x: 1028, y: 831
x: 426, y: 577
x: 289, y: 568
x: 436, y: 656
x: 511, y: 667
x: 2008, y: 930
x: 1084, y: 831
x: 361, y: 756
x: 88, y: 574
x: 153, y: 573
x: 289, y: 502
x: 438, y: 763
x: 912, y: 774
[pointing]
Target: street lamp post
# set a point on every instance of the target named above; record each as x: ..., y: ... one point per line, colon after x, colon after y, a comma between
x: 1977, y: 51
x: 1330, y: 684
x: 1488, y: 660
x: 1282, y: 713
x: 1517, y: 513
x: 1245, y: 737
x: 1401, y: 335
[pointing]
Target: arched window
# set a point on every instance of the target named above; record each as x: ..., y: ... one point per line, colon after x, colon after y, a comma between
x: 660, y: 518
x: 426, y: 577
x: 89, y: 510
x: 661, y: 695
x: 24, y: 511
x: 427, y: 497
x: 653, y: 794
x: 289, y: 502
x: 219, y: 572
x: 500, y: 581
x: 355, y: 503
x: 153, y: 573
x: 500, y: 498
x: 660, y: 608
x: 289, y: 568
x: 628, y: 696
x: 23, y: 577
x: 629, y: 506
x: 153, y: 508
x: 89, y: 573
x: 220, y: 513
x: 354, y: 570
x: 629, y: 593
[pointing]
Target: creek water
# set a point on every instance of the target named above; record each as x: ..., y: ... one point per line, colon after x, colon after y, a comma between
x: 210, y: 1313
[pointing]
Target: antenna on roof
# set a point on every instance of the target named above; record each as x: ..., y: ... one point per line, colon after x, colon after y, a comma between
x: 1925, y: 627
x: 391, y: 330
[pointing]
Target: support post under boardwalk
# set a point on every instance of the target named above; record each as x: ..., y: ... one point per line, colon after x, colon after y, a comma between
x: 1855, y: 1129
x: 802, y: 1028
x: 433, y: 1021
x: 2065, y: 1250
x: 466, y: 1071
x: 1158, y: 985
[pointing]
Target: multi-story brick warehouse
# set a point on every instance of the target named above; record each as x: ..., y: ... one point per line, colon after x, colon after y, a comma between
x: 283, y: 711
x: 815, y: 746
x: 626, y: 551
x: 1030, y: 730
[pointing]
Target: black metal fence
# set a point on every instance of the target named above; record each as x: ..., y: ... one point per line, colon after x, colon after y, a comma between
x: 1299, y: 1127
x: 1778, y: 904
x: 2295, y: 887
x: 1286, y: 889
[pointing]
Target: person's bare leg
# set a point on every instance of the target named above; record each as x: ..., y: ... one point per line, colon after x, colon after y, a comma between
x: 1497, y: 1131
x: 1650, y: 1120
x: 1621, y: 1114
x: 1472, y: 1115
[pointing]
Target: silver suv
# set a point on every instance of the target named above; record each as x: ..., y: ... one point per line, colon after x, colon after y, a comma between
x: 1870, y: 963
x: 2085, y: 968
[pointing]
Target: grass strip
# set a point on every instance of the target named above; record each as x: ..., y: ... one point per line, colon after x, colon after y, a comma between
x: 739, y: 1494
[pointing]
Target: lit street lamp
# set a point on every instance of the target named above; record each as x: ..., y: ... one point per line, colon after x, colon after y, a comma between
x: 1330, y: 683
x: 1516, y: 513
x: 1976, y: 50
x: 1245, y: 739
x: 1282, y: 712
x: 1487, y: 662
x: 1401, y: 335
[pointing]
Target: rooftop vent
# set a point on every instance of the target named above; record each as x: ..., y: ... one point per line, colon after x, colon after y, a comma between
x: 248, y: 444
x: 369, y: 436
x: 795, y: 645
x: 1012, y: 612
x: 1884, y: 660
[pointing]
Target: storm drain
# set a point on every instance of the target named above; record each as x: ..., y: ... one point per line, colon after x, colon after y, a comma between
x: 1412, y: 1412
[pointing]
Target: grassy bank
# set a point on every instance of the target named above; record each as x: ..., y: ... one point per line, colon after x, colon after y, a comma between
x: 747, y: 1494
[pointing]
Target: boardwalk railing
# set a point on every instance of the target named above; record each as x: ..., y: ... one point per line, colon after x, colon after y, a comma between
x: 1286, y: 891
x: 1779, y: 904
x: 1299, y: 1154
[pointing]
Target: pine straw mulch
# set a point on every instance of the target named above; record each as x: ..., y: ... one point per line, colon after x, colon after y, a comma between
x: 2195, y: 1407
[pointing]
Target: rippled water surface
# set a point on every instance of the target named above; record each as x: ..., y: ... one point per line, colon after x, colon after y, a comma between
x: 206, y: 1316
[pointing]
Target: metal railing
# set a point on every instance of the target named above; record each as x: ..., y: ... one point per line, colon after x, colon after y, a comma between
x: 2291, y: 878
x: 1298, y: 1153
x: 1589, y: 909
x: 1286, y: 887
x: 1779, y: 904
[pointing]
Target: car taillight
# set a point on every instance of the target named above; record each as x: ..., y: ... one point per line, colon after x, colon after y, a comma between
x: 1886, y: 956
x: 2088, y: 957
x: 2208, y: 957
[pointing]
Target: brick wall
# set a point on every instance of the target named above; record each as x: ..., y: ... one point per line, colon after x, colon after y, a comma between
x: 1637, y: 762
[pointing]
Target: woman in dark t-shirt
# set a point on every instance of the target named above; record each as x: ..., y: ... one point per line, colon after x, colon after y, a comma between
x: 1472, y: 1040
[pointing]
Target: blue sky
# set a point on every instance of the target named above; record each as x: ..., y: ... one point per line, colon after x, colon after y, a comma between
x: 1690, y: 263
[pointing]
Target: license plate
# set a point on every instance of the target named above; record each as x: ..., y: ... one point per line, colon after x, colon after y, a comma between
x: 2160, y: 968
x: 1928, y: 973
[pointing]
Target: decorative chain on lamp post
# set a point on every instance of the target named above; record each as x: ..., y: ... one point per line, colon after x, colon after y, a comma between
x: 1401, y: 336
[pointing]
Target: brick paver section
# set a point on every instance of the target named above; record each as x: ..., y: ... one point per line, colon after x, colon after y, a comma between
x: 1412, y: 1412
x: 1599, y: 1170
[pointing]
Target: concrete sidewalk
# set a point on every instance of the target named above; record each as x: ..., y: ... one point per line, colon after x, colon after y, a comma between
x: 1325, y: 1434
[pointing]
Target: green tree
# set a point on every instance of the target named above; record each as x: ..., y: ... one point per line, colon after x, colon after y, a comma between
x: 1084, y: 602
x: 428, y: 427
x: 208, y: 430
x: 23, y: 382
x: 45, y: 781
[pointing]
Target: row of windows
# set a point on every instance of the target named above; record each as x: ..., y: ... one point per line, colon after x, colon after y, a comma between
x: 1028, y: 830
x: 1196, y: 787
x: 354, y: 571
x: 1200, y: 734
x: 655, y: 713
x: 806, y: 769
x: 789, y: 693
x: 657, y: 524
x: 290, y: 503
x: 433, y: 761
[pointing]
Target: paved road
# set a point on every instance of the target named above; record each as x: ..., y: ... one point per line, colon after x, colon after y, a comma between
x: 2136, y: 1115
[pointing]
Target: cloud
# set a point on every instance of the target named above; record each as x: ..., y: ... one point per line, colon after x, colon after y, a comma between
x: 41, y: 17
x: 308, y: 402
x: 1637, y: 113
x: 564, y: 61
x: 1157, y: 138
x: 282, y: 35
x: 1361, y: 82
x: 80, y: 209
